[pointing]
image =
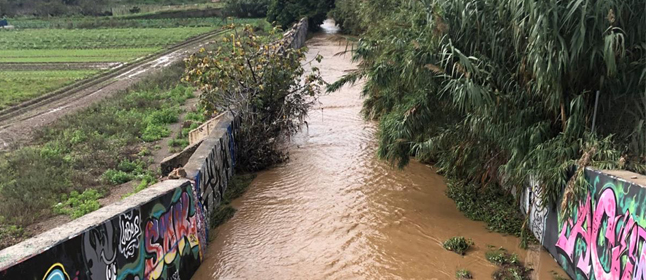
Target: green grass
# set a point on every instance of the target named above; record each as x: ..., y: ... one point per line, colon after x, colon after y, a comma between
x: 75, y: 55
x: 36, y: 39
x: 78, y: 204
x: 20, y: 86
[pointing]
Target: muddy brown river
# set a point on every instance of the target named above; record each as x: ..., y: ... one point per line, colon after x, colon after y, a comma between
x: 335, y: 211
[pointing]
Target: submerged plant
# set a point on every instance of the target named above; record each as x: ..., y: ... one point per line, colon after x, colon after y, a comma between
x: 509, y: 266
x: 463, y: 274
x: 458, y: 244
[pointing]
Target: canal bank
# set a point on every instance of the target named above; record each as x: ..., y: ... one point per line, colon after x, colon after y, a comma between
x: 335, y: 211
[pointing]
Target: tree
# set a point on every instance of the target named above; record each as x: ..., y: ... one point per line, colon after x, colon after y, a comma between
x: 347, y: 15
x: 265, y: 86
x: 286, y: 12
x: 247, y: 8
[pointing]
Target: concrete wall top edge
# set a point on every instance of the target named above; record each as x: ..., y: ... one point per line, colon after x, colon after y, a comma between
x: 623, y: 175
x: 44, y: 241
x: 196, y: 161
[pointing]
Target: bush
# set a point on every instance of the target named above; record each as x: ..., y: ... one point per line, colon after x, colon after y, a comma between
x: 246, y: 8
x: 135, y: 10
x: 130, y: 166
x: 77, y: 205
x: 117, y: 177
x: 154, y: 132
x: 458, y: 244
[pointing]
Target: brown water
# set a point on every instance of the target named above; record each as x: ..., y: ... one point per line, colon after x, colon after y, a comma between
x: 335, y: 211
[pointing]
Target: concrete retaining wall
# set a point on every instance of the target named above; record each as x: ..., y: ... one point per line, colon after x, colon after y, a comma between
x: 158, y: 233
x: 603, y: 236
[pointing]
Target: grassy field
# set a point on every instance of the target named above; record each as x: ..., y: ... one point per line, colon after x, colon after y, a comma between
x: 66, y: 55
x: 38, y: 39
x: 112, y: 22
x: 20, y: 86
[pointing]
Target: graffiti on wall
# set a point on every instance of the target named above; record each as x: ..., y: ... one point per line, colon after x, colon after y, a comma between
x: 56, y: 272
x: 169, y: 235
x: 212, y: 179
x: 158, y: 240
x: 603, y: 237
x: 533, y: 206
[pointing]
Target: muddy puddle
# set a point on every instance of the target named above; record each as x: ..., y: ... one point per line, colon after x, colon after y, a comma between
x: 335, y: 211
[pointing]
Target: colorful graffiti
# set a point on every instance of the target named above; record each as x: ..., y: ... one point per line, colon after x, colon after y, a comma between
x: 56, y: 272
x: 169, y: 235
x: 164, y: 238
x: 603, y: 238
x: 157, y: 240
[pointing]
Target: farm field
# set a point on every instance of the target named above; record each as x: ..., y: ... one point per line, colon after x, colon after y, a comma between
x: 26, y: 51
x: 74, y: 55
x: 20, y: 86
x: 112, y: 22
x: 36, y: 39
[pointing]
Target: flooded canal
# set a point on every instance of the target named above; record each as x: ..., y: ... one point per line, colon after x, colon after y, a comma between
x: 335, y: 211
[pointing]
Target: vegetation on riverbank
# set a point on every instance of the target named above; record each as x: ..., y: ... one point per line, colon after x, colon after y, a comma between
x: 265, y: 85
x: 494, y: 107
x: 238, y: 185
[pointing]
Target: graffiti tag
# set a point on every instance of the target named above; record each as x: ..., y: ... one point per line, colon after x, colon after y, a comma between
x: 130, y: 232
x: 167, y: 235
x: 613, y: 241
x: 56, y: 272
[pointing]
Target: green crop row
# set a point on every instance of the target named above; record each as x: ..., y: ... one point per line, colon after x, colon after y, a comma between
x: 113, y: 22
x: 20, y: 86
x: 75, y: 55
x: 37, y: 39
